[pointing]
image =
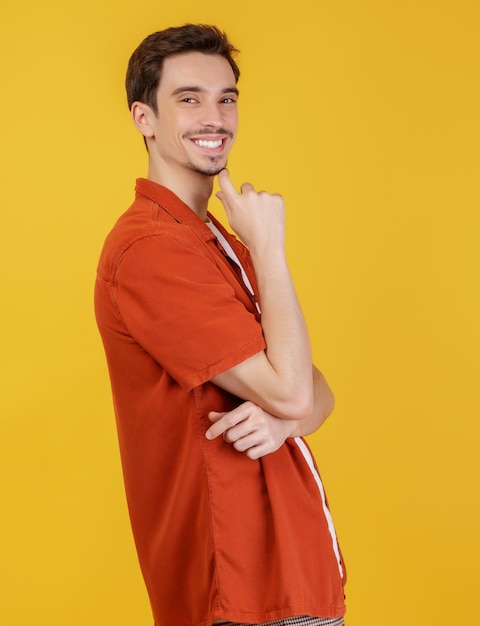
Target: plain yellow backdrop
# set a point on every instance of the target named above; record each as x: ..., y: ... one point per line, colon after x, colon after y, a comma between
x: 364, y: 115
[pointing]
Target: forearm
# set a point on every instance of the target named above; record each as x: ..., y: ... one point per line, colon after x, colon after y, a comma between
x: 279, y: 379
x: 284, y: 328
x: 323, y: 404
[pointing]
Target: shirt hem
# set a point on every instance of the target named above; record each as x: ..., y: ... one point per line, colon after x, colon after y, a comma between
x: 245, y: 352
x: 268, y: 616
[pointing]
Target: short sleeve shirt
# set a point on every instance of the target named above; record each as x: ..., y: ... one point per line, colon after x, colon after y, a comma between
x: 218, y: 535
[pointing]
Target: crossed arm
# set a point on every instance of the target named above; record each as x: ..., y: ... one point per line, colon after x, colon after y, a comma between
x: 254, y: 431
x: 284, y: 396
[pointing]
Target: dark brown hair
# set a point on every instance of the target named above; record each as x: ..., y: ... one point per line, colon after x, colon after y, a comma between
x: 145, y: 65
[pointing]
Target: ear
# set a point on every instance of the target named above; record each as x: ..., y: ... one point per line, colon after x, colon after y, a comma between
x: 142, y: 116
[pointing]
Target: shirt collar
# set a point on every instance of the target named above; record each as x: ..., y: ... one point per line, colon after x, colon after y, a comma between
x: 172, y: 205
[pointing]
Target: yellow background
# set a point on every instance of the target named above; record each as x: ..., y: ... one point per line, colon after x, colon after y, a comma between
x: 364, y: 115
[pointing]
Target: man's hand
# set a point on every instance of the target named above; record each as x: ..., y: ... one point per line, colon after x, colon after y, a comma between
x: 250, y: 429
x: 258, y: 218
x: 254, y: 431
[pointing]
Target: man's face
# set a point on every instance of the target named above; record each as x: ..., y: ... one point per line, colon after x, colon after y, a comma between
x: 197, y: 114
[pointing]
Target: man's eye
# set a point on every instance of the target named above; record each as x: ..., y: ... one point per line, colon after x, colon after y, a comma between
x: 189, y: 100
x: 228, y: 100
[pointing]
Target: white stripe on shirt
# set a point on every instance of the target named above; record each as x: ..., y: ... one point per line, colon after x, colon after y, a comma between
x: 308, y: 457
x: 231, y: 253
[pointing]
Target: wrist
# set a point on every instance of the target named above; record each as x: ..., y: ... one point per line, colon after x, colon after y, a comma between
x: 291, y: 428
x: 267, y: 251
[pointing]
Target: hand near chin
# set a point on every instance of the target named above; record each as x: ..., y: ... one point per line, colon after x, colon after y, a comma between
x: 257, y: 217
x: 250, y: 429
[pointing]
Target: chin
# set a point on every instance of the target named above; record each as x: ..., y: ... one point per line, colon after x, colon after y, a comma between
x: 211, y: 170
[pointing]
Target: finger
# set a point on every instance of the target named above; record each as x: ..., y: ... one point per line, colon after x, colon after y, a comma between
x: 248, y: 441
x: 258, y: 451
x: 226, y: 185
x: 213, y: 432
x: 214, y: 416
x: 246, y: 187
x: 226, y: 421
x: 242, y: 430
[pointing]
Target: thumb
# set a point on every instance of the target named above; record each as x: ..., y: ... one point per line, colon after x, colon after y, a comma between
x: 226, y: 184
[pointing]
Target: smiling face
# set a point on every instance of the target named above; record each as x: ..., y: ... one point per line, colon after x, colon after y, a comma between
x: 197, y: 118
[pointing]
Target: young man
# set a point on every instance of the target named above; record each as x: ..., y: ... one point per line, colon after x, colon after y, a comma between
x: 210, y: 364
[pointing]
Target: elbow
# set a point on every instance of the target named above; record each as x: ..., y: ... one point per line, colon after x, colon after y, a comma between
x: 305, y: 406
x: 296, y: 406
x: 325, y: 404
x: 329, y: 403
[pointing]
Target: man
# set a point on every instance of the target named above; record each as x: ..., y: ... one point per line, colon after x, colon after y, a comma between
x: 210, y: 365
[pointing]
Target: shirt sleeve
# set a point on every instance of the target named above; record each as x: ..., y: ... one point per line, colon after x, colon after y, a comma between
x: 177, y: 303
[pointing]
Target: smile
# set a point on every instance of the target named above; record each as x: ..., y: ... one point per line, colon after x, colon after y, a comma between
x: 203, y: 143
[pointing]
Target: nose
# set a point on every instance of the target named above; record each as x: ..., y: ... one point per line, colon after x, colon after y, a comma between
x: 211, y: 115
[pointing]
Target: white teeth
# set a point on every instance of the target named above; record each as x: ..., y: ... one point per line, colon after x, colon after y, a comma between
x: 208, y: 144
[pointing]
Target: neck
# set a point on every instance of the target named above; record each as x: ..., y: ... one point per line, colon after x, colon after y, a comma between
x: 192, y: 188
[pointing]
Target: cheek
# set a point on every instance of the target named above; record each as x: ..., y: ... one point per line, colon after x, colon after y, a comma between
x: 173, y: 124
x: 183, y: 124
x: 233, y: 122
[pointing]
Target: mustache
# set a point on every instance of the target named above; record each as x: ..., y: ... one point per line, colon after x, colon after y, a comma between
x: 207, y: 131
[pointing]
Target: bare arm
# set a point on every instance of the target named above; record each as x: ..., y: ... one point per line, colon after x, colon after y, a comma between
x: 279, y: 380
x: 323, y: 404
x: 256, y: 432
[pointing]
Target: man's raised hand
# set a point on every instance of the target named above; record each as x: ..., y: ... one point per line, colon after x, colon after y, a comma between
x: 257, y: 217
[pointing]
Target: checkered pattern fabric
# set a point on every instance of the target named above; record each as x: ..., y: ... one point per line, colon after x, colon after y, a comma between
x: 300, y: 620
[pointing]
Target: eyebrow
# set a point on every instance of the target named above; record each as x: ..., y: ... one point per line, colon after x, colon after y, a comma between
x: 196, y: 89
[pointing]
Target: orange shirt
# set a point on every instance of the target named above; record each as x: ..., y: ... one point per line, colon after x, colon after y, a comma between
x: 219, y: 536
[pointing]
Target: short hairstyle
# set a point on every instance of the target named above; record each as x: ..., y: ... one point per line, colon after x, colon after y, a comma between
x: 145, y: 66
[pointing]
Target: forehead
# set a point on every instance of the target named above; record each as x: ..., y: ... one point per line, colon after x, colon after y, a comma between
x: 195, y: 69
